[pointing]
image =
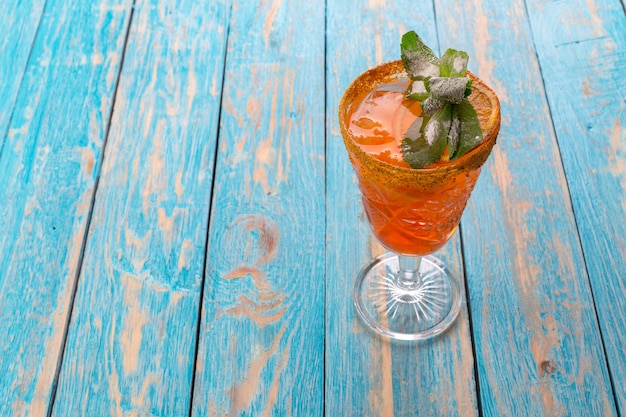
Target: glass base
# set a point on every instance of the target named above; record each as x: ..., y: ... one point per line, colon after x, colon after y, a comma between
x: 407, y: 312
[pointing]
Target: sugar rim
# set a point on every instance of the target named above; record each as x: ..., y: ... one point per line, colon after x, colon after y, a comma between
x: 427, y: 177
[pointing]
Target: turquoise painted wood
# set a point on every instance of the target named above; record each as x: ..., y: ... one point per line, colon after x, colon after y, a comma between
x: 538, y: 346
x: 583, y: 63
x: 19, y: 22
x: 135, y: 282
x: 365, y: 374
x: 131, y: 342
x: 261, y: 348
x: 48, y: 171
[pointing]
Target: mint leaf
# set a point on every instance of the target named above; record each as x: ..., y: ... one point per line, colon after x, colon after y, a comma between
x: 415, y: 130
x: 468, y: 89
x: 450, y: 90
x: 417, y: 91
x: 471, y: 133
x: 453, y: 63
x: 418, y: 59
x: 454, y: 135
x: 423, y: 146
x: 431, y: 105
x: 439, y: 125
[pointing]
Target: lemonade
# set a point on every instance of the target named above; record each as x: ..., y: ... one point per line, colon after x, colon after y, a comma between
x: 412, y: 211
x: 417, y: 132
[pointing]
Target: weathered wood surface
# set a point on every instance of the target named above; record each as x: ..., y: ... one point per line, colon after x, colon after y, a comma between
x: 367, y: 375
x: 261, y: 347
x: 48, y: 169
x: 131, y: 342
x: 196, y: 293
x: 18, y: 26
x: 582, y: 53
x: 538, y: 346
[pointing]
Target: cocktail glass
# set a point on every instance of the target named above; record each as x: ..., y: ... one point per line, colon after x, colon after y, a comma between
x: 408, y: 293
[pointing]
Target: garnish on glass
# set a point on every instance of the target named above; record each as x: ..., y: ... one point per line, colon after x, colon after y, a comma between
x: 449, y: 121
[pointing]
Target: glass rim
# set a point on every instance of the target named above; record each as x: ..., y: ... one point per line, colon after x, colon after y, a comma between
x: 391, y: 70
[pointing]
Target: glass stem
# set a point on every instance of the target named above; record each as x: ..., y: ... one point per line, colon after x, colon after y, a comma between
x: 408, y: 276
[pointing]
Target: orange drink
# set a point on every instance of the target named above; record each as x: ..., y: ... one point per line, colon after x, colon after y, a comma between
x: 417, y: 131
x: 411, y: 211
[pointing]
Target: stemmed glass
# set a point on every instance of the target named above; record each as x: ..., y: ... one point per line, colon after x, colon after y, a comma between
x: 408, y: 293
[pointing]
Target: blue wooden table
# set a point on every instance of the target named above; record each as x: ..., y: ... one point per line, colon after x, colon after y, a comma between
x: 180, y: 227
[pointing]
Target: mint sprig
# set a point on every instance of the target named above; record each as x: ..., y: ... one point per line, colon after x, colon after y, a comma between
x: 448, y: 118
x: 418, y: 59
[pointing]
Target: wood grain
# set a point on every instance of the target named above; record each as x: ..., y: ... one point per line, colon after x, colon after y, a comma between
x: 20, y: 21
x: 130, y: 345
x: 264, y: 268
x: 538, y: 345
x: 48, y: 170
x: 367, y: 375
x: 262, y: 336
x: 582, y: 56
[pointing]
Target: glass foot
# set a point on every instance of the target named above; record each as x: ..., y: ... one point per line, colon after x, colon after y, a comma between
x: 403, y: 311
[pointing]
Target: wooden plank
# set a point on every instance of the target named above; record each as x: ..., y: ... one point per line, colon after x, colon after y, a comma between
x: 49, y: 166
x: 581, y: 49
x: 528, y: 287
x: 131, y: 343
x: 365, y: 374
x: 17, y: 34
x: 262, y: 336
